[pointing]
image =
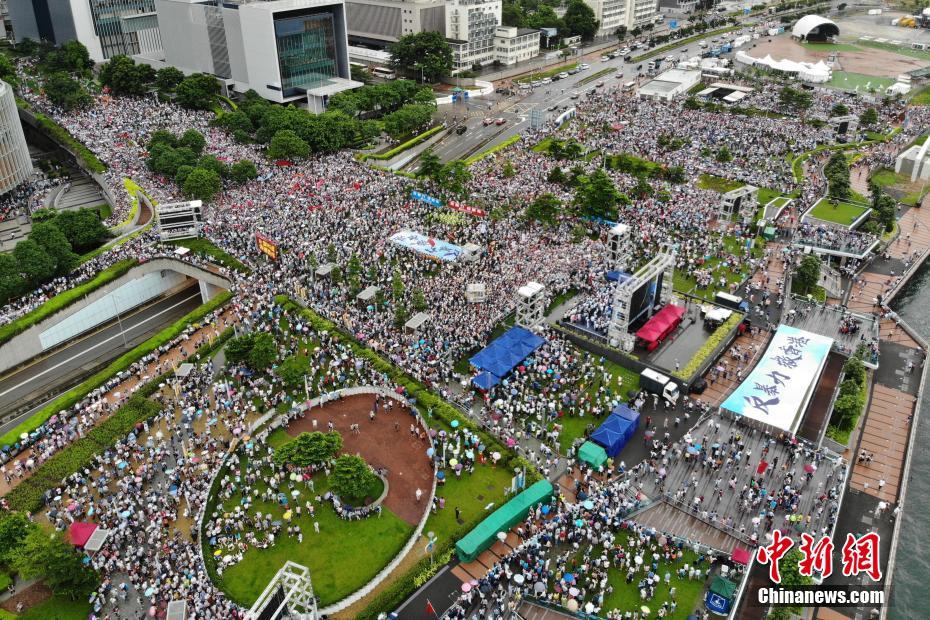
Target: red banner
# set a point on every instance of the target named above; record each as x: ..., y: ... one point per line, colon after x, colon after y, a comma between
x: 464, y: 208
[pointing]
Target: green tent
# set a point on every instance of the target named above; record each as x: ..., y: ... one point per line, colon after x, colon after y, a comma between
x: 769, y: 233
x: 592, y: 454
x: 723, y: 586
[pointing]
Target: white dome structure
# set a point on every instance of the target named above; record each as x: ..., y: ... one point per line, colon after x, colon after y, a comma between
x: 814, y: 28
x: 15, y: 162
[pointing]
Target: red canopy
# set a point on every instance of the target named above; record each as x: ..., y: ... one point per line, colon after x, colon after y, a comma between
x: 79, y: 533
x: 656, y: 327
x: 740, y: 556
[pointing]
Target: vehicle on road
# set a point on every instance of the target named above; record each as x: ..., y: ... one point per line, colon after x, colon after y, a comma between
x: 553, y: 108
x: 461, y: 129
x: 487, y: 121
x: 536, y: 83
x: 557, y: 77
x: 656, y: 383
x: 500, y: 121
x: 583, y: 66
x: 546, y: 81
x: 619, y: 75
x: 624, y: 51
x: 605, y: 58
x: 575, y: 94
x: 563, y: 75
x: 599, y: 85
x: 574, y: 71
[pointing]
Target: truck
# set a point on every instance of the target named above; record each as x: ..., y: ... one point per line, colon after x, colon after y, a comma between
x: 657, y: 383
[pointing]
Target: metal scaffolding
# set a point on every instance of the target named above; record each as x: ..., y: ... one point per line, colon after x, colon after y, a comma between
x: 618, y: 247
x: 618, y: 332
x: 531, y: 304
x: 289, y: 595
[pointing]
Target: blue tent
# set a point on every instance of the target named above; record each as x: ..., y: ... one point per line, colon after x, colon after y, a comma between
x: 507, y: 352
x: 484, y: 381
x: 613, y: 434
x: 627, y: 414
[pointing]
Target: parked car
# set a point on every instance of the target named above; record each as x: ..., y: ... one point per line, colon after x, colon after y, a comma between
x: 624, y: 51
x: 461, y: 129
x: 487, y: 121
x: 553, y: 108
x: 605, y: 58
x: 563, y: 75
x: 599, y: 84
x: 575, y: 94
x: 500, y: 121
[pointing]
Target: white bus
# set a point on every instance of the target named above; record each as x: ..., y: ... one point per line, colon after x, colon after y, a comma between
x: 385, y: 73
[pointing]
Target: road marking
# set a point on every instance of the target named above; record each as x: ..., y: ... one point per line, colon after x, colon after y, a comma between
x: 102, y: 342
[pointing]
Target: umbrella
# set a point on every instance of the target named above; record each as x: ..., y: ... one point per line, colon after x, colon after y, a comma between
x: 121, y: 465
x: 24, y: 436
x: 568, y: 578
x: 579, y: 522
x: 454, y: 424
x: 502, y: 536
x: 588, y: 505
x: 430, y: 452
x: 453, y: 462
x: 469, y: 454
x: 539, y: 587
x: 589, y: 607
x: 216, y: 553
x: 573, y: 591
x: 288, y: 515
x: 466, y: 587
x: 546, y: 509
x: 295, y: 493
x: 810, y: 468
x: 496, y: 456
x: 518, y: 579
x: 645, y: 610
x: 440, y: 475
x: 150, y: 591
x: 638, y: 559
x: 294, y: 476
x: 693, y: 450
x: 572, y: 605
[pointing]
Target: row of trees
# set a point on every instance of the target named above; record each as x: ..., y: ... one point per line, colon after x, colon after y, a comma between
x: 452, y: 178
x: 851, y: 397
x: 837, y: 173
x: 49, y: 250
x: 200, y: 176
x: 123, y: 76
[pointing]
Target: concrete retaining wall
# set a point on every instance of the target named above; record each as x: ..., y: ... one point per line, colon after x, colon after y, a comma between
x: 165, y: 274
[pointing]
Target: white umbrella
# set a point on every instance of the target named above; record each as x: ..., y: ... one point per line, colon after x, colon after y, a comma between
x: 519, y: 579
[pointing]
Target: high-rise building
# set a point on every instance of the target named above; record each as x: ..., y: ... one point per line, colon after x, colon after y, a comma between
x: 15, y: 163
x: 470, y: 28
x: 285, y: 50
x: 611, y: 14
x: 105, y: 27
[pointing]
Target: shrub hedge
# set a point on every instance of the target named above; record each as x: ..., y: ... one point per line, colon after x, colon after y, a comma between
x: 74, y: 395
x: 62, y: 300
x: 494, y: 149
x: 710, y: 345
x: 400, y: 148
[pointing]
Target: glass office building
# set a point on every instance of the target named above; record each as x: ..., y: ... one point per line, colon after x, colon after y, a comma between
x: 306, y: 50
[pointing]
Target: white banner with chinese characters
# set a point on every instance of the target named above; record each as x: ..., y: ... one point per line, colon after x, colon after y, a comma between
x: 778, y: 389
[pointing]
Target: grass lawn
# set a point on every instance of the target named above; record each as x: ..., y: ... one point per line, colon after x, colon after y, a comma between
x: 898, y: 49
x: 921, y: 97
x: 686, y: 284
x: 342, y: 558
x: 543, y: 145
x: 204, y: 246
x: 471, y: 493
x: 846, y: 80
x: 59, y: 608
x: 908, y: 193
x: 844, y: 213
x: 625, y: 597
x: 766, y: 195
x: 831, y: 47
x: 717, y: 184
x: 5, y: 581
x: 105, y: 210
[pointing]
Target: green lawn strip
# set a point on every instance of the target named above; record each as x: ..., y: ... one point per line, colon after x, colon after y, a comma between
x: 897, y: 49
x: 844, y: 213
x: 560, y: 299
x: 846, y: 80
x: 718, y: 184
x: 64, y: 299
x: 74, y: 395
x: 596, y: 76
x: 105, y: 210
x: 543, y: 145
x: 921, y: 97
x: 494, y: 149
x: 548, y: 73
x: 470, y: 493
x: 5, y: 580
x: 133, y: 189
x: 397, y: 150
x: 830, y: 47
x: 678, y: 43
x: 688, y: 284
x: 205, y: 247
x: 767, y: 195
x: 58, y: 608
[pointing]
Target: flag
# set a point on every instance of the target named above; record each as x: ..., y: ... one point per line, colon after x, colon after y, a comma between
x: 430, y: 609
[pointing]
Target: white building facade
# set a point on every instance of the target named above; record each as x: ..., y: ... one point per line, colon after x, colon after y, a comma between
x: 513, y: 45
x: 286, y: 50
x: 15, y: 163
x: 611, y: 14
x: 380, y: 21
x: 471, y: 26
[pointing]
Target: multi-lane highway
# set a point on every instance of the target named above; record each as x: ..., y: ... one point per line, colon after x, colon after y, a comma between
x: 66, y: 366
x: 516, y: 109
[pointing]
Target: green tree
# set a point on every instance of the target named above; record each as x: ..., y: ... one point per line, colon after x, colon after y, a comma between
x: 419, y: 300
x: 83, y: 229
x: 53, y: 560
x: 512, y: 14
x: 409, y: 119
x: 723, y: 155
x: 193, y: 140
x: 8, y: 71
x: 210, y: 162
x: 795, y: 101
x: 66, y: 92
x: 180, y: 177
x: 556, y: 175
x: 397, y: 285
x: 14, y: 527
x: 124, y: 77
x: 352, y: 478
x: 597, y: 196
x: 885, y: 208
x: 56, y: 245
x: 691, y: 103
x: 430, y: 165
x: 424, y: 52
x: 545, y: 209
x: 454, y: 177
x: 869, y: 117
x: 287, y: 145
x: 837, y: 173
x: 33, y: 262
x: 237, y: 349
x: 235, y: 121
x: 168, y: 78
x: 620, y: 33
x: 11, y: 280
x: 839, y: 109
x: 309, y: 449
x: 400, y: 314
x: 580, y: 21
x: 198, y: 91
x: 263, y: 353
x: 243, y: 171
x: 544, y: 17
x: 162, y: 136
x: 807, y: 274
x: 202, y: 184
x: 789, y: 570
x: 293, y: 370
x: 361, y: 74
